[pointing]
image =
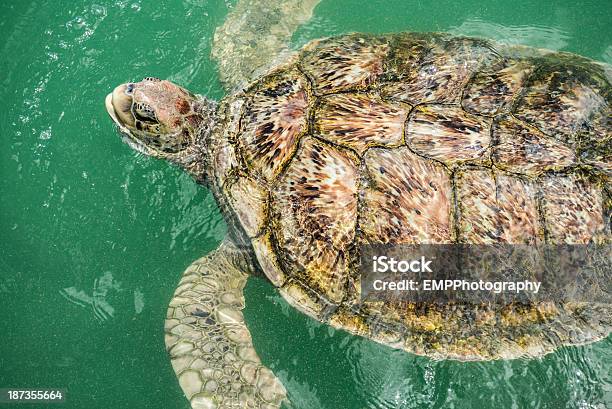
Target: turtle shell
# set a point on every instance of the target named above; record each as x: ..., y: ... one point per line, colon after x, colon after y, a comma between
x: 420, y: 138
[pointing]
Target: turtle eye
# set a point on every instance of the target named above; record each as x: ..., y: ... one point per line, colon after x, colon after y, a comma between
x: 144, y: 113
x: 152, y: 79
x: 129, y: 89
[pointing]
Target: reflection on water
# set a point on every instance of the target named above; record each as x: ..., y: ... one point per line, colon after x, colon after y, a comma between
x: 98, y: 298
x: 97, y: 301
x: 551, y: 38
x: 397, y: 380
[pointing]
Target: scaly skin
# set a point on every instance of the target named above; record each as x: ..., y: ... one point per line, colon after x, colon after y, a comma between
x: 209, y: 344
x: 255, y: 36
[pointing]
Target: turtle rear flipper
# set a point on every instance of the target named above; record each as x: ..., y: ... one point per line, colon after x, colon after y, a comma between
x: 208, y: 341
x: 256, y: 35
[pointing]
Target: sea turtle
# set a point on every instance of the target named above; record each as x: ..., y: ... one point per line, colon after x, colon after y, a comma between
x: 392, y: 138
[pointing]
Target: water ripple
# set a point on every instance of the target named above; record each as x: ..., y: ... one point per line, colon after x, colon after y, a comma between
x: 551, y: 38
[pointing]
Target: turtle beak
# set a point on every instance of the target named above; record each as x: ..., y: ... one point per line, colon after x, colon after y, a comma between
x: 119, y: 104
x: 110, y: 108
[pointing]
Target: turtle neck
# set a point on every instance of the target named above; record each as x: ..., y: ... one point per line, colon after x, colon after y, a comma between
x: 194, y: 159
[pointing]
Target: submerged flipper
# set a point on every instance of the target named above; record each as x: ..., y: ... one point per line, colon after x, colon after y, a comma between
x: 208, y: 341
x: 255, y: 35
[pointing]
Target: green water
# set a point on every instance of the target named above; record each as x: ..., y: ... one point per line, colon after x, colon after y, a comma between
x: 94, y: 236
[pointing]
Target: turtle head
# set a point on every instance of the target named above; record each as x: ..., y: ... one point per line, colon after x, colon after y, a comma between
x: 159, y: 118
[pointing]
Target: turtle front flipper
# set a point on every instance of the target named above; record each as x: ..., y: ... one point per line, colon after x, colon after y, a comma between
x: 208, y: 341
x: 256, y: 35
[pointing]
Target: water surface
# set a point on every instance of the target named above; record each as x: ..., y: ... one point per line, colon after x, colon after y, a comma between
x: 94, y: 236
